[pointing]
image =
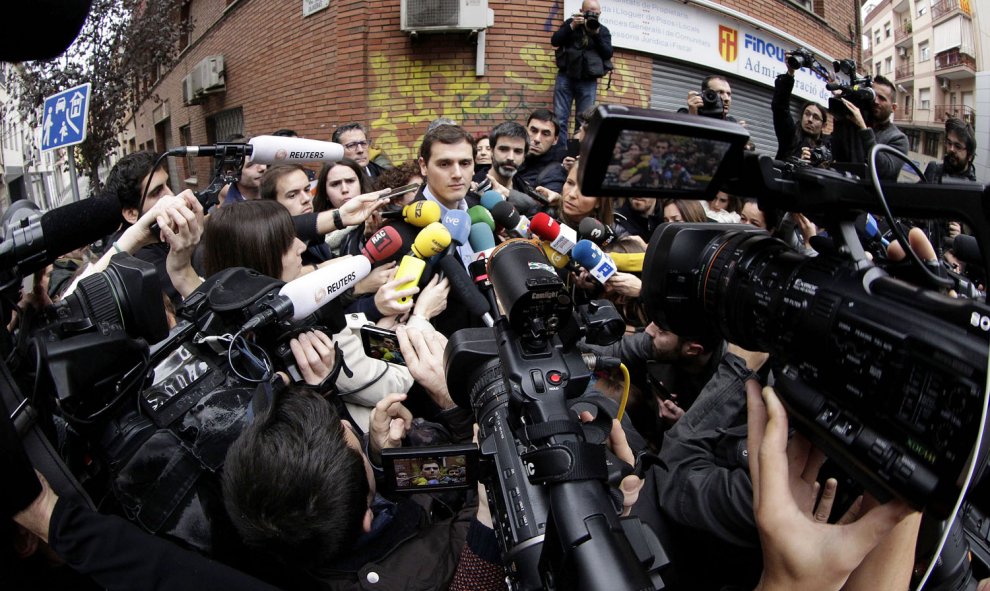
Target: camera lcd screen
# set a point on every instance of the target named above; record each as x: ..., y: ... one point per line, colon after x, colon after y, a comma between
x: 426, y: 469
x: 631, y: 152
x: 659, y: 160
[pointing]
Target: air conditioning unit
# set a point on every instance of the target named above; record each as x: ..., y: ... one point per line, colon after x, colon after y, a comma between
x: 902, y: 51
x: 189, y: 85
x: 439, y: 16
x: 212, y: 74
x: 945, y: 83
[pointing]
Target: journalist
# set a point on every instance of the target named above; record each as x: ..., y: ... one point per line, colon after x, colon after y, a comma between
x: 854, y: 135
x: 796, y: 141
x: 960, y: 149
x: 715, y: 89
x: 583, y: 47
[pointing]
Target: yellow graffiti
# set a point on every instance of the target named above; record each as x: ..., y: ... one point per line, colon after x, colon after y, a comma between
x: 407, y: 93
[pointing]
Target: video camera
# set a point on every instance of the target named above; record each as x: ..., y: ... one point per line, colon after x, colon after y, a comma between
x: 858, y: 91
x: 887, y: 377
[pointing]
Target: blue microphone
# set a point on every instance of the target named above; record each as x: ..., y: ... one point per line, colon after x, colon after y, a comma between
x: 588, y: 255
x: 490, y: 198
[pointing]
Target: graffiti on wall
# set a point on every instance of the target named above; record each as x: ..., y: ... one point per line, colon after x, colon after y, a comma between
x: 407, y: 93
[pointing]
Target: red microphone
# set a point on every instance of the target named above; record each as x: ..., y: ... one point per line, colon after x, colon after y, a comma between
x: 561, y: 237
x: 383, y: 245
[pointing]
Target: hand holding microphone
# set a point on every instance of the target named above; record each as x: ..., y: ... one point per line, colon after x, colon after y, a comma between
x: 431, y: 240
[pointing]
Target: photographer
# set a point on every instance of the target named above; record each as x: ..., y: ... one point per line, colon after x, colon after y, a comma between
x: 796, y: 141
x: 960, y: 149
x: 715, y: 89
x: 583, y: 49
x: 855, y: 134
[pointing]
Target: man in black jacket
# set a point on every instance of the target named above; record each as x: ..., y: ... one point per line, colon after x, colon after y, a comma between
x: 853, y: 137
x: 960, y: 149
x: 796, y: 141
x: 583, y: 48
x: 543, y: 166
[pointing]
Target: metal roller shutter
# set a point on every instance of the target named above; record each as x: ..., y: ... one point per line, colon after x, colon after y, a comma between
x: 750, y: 102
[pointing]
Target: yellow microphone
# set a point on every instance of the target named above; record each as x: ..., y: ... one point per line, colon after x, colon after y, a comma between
x: 419, y: 213
x: 556, y: 259
x: 431, y: 240
x: 628, y: 262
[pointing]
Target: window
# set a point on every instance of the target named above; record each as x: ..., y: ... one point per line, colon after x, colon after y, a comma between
x: 224, y: 124
x: 914, y: 138
x: 888, y: 65
x: 186, y: 134
x: 886, y: 30
x: 877, y: 38
x: 876, y: 70
x: 932, y: 142
x: 924, y: 52
x: 925, y: 99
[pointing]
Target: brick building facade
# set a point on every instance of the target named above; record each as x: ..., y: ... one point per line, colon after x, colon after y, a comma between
x: 351, y: 62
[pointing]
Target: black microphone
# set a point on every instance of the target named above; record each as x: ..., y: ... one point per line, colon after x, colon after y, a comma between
x: 596, y: 231
x: 966, y: 249
x: 465, y: 289
x: 38, y: 242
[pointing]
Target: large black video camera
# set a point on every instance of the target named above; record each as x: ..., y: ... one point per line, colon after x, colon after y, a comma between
x: 858, y: 91
x: 545, y: 475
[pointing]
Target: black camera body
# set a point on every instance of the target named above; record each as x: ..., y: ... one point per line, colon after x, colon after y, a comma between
x: 800, y: 58
x: 712, y: 105
x: 858, y: 91
x: 591, y: 21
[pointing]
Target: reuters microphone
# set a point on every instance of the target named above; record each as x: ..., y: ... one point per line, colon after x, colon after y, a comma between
x: 431, y: 240
x: 587, y: 254
x: 560, y: 236
x: 419, y: 213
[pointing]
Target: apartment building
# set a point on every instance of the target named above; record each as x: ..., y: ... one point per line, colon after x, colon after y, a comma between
x: 931, y: 50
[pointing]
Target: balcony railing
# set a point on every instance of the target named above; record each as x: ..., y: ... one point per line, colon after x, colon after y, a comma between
x: 905, y: 71
x: 964, y: 112
x: 953, y: 58
x: 867, y: 53
x: 904, y: 113
x: 947, y: 7
x: 902, y: 33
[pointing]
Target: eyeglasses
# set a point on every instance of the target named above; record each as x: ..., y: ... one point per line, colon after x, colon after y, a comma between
x: 356, y: 145
x: 954, y: 145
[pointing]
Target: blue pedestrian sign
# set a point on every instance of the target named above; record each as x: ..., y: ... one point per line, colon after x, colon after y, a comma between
x: 64, y: 119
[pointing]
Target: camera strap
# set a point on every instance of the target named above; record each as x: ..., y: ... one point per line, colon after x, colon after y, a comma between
x: 566, y: 461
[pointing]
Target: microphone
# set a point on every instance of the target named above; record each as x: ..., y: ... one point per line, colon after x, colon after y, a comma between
x: 506, y: 216
x: 383, y: 245
x: 302, y: 296
x: 271, y: 149
x: 465, y: 289
x: 419, y: 214
x: 556, y: 259
x: 480, y: 214
x: 628, y: 262
x: 596, y: 231
x: 490, y: 198
x: 431, y: 240
x: 587, y: 254
x: 560, y: 236
x: 482, y: 240
x: 966, y: 249
x: 36, y: 242
x: 458, y: 223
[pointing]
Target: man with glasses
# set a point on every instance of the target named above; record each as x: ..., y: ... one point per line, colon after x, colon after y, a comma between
x: 796, y: 141
x: 354, y: 138
x: 960, y: 149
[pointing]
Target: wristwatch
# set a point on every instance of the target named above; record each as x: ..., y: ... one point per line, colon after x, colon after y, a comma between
x: 338, y: 222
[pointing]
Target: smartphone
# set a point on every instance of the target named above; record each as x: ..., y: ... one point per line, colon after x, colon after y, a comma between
x: 573, y: 148
x: 484, y: 185
x: 380, y: 343
x: 430, y: 469
x: 400, y: 191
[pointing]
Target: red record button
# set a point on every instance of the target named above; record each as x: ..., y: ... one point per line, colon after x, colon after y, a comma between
x: 555, y: 378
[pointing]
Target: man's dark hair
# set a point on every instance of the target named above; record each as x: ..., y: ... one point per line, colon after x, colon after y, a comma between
x: 544, y: 115
x: 285, y: 133
x: 509, y: 129
x: 292, y: 486
x: 124, y: 182
x: 964, y: 132
x: 821, y: 109
x: 445, y: 134
x: 341, y: 130
x: 878, y: 79
x: 708, y: 79
x: 269, y: 181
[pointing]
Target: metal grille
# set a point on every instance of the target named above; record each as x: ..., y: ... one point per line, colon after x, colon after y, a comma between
x: 750, y: 101
x: 224, y: 124
x: 432, y: 13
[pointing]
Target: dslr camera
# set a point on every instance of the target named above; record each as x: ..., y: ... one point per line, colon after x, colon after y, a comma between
x: 712, y: 104
x: 591, y: 21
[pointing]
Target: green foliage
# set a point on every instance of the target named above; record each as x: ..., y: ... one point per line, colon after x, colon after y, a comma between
x: 120, y: 49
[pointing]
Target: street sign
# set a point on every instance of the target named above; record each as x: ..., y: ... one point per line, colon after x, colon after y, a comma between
x: 64, y: 119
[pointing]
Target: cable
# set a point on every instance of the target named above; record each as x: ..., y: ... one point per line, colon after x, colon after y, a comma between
x: 625, y: 391
x: 936, y: 281
x: 259, y: 360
